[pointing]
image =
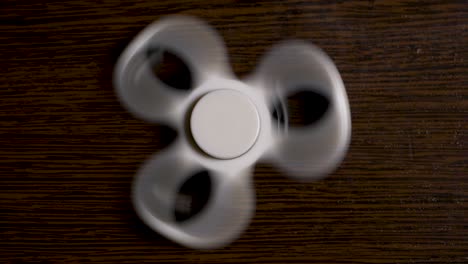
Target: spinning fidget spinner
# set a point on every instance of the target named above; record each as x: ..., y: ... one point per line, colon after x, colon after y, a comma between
x: 226, y: 125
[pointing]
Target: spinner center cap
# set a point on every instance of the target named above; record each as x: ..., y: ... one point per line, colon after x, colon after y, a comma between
x: 225, y: 124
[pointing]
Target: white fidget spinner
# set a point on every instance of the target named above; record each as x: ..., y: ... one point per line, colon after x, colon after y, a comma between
x: 225, y: 126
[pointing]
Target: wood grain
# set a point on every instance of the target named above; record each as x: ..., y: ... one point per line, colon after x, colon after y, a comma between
x: 68, y: 151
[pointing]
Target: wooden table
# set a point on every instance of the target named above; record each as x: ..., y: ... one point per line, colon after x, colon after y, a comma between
x: 68, y: 150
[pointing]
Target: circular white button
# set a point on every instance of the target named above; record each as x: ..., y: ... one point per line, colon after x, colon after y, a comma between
x: 225, y: 124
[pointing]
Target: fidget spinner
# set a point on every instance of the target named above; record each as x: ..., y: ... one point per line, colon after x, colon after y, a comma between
x: 225, y: 125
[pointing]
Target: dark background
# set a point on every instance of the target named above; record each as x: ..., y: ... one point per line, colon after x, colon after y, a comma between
x: 68, y: 150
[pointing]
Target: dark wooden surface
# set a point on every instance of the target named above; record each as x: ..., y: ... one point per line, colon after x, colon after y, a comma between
x: 68, y: 151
